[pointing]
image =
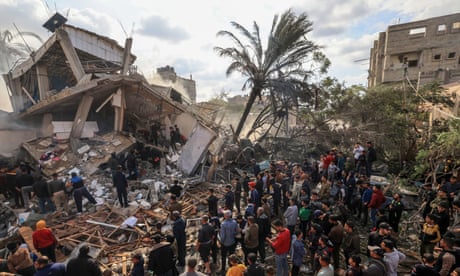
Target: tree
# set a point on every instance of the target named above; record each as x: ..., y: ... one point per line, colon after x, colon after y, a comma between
x: 278, y: 69
x: 11, y: 51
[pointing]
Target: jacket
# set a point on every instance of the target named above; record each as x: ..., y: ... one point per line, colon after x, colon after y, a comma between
x: 251, y: 236
x: 138, y: 269
x: 291, y: 214
x: 375, y: 268
x: 377, y: 199
x: 236, y: 270
x: 298, y: 252
x: 161, y: 259
x: 392, y: 260
x: 83, y: 265
x: 336, y: 234
x: 351, y: 243
x: 119, y: 181
x: 228, y: 231
x: 254, y: 270
x: 43, y: 238
x: 19, y: 260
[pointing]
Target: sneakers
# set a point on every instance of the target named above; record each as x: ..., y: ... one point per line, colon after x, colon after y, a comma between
x: 79, y: 213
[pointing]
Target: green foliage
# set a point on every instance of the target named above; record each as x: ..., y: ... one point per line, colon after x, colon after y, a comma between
x: 279, y: 70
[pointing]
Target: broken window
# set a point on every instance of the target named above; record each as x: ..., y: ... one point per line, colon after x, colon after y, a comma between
x: 442, y: 28
x: 437, y: 57
x: 412, y: 63
x: 451, y: 55
x: 417, y: 31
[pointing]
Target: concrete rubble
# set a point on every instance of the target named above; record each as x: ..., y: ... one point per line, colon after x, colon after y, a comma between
x: 87, y: 102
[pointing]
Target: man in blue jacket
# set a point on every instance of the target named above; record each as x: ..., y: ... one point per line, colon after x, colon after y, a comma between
x: 365, y: 199
x: 228, y: 230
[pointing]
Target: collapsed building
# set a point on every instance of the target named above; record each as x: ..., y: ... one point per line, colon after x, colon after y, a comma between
x: 79, y: 84
x: 76, y: 100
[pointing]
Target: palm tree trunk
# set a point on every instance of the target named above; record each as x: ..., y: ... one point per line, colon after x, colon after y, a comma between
x: 247, y: 109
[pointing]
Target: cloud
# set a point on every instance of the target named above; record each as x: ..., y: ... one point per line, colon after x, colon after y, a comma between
x: 159, y: 27
x: 92, y: 20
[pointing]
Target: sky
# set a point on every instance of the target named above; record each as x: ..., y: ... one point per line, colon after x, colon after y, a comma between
x: 182, y: 34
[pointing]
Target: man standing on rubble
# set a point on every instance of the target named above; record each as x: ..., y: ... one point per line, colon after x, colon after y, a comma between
x: 121, y: 184
x: 180, y: 236
x: 212, y: 203
x: 131, y: 164
x: 281, y: 244
x: 229, y: 198
x: 228, y: 231
x: 80, y: 191
x: 161, y: 258
x: 176, y: 189
x: 24, y: 182
x: 57, y: 190
x: 83, y: 264
x: 238, y: 189
x: 204, y: 243
x: 40, y: 189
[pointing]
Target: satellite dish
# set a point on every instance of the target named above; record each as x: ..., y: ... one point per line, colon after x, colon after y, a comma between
x: 56, y: 21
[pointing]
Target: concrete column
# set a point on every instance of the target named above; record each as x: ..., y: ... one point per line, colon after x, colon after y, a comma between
x: 71, y: 54
x: 81, y: 116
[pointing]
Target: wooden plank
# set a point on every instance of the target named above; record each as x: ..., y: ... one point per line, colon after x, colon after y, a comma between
x: 26, y: 233
x: 28, y: 95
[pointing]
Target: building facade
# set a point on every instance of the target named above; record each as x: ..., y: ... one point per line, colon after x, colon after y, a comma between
x: 421, y: 51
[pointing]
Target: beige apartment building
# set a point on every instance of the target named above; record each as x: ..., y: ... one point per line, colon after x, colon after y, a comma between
x: 421, y: 51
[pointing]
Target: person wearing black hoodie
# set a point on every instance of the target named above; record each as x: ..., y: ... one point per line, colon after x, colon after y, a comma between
x: 83, y: 264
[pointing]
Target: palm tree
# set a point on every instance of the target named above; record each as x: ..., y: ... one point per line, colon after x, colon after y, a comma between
x: 278, y: 69
x: 11, y: 51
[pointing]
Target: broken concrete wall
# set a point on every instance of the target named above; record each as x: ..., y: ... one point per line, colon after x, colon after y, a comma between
x: 186, y: 123
x: 194, y: 150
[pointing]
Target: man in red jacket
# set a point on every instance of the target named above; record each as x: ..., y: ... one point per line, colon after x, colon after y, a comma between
x: 376, y: 202
x: 281, y: 245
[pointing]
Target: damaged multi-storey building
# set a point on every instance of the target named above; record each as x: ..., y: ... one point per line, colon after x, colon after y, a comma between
x: 76, y: 100
x: 79, y: 83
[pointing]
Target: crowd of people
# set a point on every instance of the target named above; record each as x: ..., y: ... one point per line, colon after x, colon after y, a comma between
x: 283, y: 220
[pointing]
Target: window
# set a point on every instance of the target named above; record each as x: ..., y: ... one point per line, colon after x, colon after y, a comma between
x: 437, y: 57
x: 418, y: 31
x: 451, y: 55
x: 442, y: 28
x: 412, y: 63
x: 456, y: 25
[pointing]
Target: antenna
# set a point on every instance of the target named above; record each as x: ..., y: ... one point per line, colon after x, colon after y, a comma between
x: 132, y: 29
x: 47, y: 8
x: 25, y: 42
x: 123, y: 28
x: 67, y: 13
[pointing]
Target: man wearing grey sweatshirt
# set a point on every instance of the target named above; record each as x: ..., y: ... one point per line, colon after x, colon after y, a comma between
x: 392, y: 257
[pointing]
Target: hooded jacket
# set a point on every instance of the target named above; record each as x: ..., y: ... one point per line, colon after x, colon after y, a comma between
x: 43, y: 237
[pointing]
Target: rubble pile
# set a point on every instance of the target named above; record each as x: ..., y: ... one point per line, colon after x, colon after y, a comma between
x: 55, y: 156
x: 114, y: 233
